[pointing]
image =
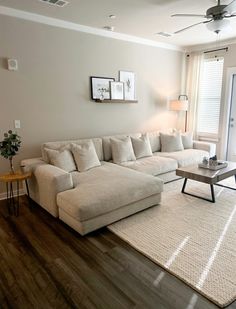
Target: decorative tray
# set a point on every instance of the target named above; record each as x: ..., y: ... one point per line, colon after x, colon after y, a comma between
x: 220, y: 165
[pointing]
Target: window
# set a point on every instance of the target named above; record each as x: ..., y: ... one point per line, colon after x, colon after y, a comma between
x: 209, y: 100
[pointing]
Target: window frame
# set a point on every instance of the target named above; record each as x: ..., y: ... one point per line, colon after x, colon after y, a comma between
x: 214, y: 137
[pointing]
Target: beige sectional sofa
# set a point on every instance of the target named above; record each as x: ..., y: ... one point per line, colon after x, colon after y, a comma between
x: 104, y: 194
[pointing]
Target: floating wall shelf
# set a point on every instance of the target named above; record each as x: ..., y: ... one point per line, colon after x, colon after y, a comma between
x: 116, y: 101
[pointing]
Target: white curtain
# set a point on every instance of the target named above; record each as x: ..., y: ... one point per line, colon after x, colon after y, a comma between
x: 194, y: 63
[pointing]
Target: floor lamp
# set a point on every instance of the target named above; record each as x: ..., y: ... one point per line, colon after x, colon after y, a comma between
x: 180, y: 105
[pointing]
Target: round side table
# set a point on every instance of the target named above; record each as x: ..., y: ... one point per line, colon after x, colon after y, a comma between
x: 9, y: 179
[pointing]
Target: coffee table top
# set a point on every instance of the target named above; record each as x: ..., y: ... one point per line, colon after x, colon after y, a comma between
x: 205, y: 175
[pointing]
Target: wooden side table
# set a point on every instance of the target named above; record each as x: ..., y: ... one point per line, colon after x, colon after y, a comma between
x: 9, y: 179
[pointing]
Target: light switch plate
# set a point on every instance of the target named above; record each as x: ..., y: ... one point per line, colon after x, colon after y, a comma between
x: 17, y: 124
x: 12, y: 64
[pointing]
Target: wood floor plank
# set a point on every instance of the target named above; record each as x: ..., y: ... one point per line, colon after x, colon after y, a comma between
x: 46, y: 264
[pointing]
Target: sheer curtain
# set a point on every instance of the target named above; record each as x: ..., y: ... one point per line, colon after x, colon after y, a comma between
x: 194, y: 64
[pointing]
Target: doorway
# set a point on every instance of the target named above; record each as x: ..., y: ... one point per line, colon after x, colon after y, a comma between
x: 231, y: 146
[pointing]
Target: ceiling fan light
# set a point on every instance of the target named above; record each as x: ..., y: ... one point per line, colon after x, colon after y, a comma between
x: 218, y: 25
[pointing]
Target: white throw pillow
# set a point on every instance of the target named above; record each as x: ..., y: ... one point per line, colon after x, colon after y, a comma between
x: 171, y: 142
x: 141, y: 146
x: 61, y: 158
x: 122, y: 150
x: 187, y: 140
x: 154, y: 139
x: 85, y: 156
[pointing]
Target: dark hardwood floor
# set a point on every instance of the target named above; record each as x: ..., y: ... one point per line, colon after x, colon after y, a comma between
x: 45, y: 264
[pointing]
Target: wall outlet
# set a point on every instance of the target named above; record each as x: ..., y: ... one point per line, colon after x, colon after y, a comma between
x: 17, y: 124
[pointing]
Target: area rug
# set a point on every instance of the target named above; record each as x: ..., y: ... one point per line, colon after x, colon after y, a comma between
x: 195, y: 240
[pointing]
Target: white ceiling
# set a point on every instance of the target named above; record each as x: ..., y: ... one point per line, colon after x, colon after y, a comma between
x: 142, y: 18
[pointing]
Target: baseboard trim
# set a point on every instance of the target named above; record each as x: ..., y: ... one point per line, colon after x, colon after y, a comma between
x: 3, y: 196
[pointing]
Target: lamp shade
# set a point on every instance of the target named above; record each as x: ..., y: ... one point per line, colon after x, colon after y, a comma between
x: 179, y: 105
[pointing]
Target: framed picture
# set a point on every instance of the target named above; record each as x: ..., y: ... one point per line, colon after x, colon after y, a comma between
x: 117, y: 90
x: 100, y: 87
x: 128, y: 78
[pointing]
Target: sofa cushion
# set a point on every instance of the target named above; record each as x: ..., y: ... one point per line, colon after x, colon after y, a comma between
x: 187, y: 140
x: 185, y: 157
x: 62, y: 159
x: 122, y: 150
x: 117, y: 187
x: 155, y: 142
x: 171, y: 142
x: 153, y: 165
x: 106, y: 141
x: 58, y: 145
x: 141, y: 146
x: 85, y: 156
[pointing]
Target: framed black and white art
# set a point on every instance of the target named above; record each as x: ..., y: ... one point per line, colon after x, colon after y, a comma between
x: 100, y: 87
x: 128, y: 78
x: 117, y: 90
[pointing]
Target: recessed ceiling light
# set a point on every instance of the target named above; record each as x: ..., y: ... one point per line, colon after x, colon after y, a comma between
x: 109, y: 28
x: 112, y: 16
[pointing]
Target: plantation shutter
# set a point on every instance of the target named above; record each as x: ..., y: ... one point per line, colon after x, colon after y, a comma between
x: 209, y: 102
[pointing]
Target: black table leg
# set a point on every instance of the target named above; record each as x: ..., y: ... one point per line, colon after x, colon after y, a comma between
x: 18, y: 199
x: 28, y: 195
x: 212, y: 194
x: 184, y: 185
x: 8, y: 200
x: 212, y: 200
x: 12, y: 199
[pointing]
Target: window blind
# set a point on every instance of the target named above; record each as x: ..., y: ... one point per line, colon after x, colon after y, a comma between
x: 209, y: 101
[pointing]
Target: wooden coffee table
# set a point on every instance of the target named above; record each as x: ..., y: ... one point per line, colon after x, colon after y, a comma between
x: 207, y: 176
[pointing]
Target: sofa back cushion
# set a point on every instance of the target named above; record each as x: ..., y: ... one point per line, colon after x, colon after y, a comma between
x: 59, y: 145
x: 122, y: 150
x: 187, y: 140
x: 171, y: 142
x: 85, y: 156
x: 106, y: 140
x: 141, y: 146
x: 155, y: 142
x: 62, y: 159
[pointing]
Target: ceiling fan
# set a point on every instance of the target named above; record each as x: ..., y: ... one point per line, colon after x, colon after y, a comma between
x: 217, y: 17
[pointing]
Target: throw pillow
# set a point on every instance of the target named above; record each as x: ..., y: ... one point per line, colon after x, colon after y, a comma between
x: 61, y: 158
x: 187, y: 140
x: 141, y: 146
x: 122, y: 150
x: 154, y: 138
x: 171, y: 142
x: 85, y: 156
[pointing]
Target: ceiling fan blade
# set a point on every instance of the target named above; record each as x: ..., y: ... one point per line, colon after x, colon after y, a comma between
x: 231, y: 8
x: 186, y: 28
x: 188, y: 15
x: 233, y: 15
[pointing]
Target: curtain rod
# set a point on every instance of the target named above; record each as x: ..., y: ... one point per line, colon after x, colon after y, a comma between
x: 212, y: 51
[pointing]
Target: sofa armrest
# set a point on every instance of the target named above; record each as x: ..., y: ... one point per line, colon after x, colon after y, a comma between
x: 50, y: 181
x: 46, y: 182
x: 206, y: 146
x: 29, y: 165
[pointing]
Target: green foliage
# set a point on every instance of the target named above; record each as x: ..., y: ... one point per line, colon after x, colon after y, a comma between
x: 10, y: 145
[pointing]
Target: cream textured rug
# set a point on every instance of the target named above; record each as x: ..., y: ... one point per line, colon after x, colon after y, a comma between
x: 193, y: 239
